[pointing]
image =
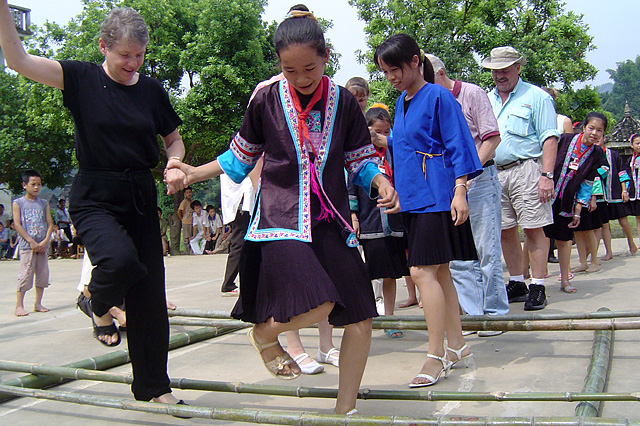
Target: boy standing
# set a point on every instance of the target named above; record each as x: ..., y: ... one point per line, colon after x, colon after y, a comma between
x: 200, y: 232
x: 185, y: 213
x: 32, y: 220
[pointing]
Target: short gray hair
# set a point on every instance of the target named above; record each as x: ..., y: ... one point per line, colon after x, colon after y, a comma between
x: 436, y: 63
x: 124, y: 24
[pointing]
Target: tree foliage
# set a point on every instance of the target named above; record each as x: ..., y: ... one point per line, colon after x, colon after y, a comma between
x: 626, y: 88
x: 461, y: 32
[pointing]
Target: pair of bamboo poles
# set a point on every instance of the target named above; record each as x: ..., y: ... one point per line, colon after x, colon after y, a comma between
x: 217, y: 323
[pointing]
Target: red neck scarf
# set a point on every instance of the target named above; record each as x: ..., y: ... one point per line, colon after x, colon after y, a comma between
x: 380, y: 151
x: 303, y: 129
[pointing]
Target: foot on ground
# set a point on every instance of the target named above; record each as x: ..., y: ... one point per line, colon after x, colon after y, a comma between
x: 581, y: 268
x: 172, y: 306
x: 40, y: 308
x: 269, y: 354
x: 606, y: 257
x: 20, y: 312
x: 408, y: 303
x: 593, y: 268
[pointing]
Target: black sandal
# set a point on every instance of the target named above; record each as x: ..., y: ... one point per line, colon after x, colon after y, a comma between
x: 105, y: 330
x: 84, y: 304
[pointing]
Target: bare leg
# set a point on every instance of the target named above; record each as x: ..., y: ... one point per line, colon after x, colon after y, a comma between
x: 19, y: 311
x: 592, y: 244
x: 440, y: 303
x: 37, y: 307
x: 538, y: 245
x: 413, y: 297
x: 325, y: 331
x: 512, y: 250
x: 353, y: 358
x: 626, y: 228
x: 638, y: 225
x: 581, y: 244
x: 268, y: 331
x: 389, y: 294
x: 606, y: 238
x: 564, y: 259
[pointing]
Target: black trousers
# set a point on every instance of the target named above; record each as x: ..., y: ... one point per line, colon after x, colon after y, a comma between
x: 238, y: 230
x: 115, y: 214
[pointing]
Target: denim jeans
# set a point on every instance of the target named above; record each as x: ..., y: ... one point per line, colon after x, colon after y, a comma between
x: 480, y: 284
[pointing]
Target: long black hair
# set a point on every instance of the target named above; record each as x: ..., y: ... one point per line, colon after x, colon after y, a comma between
x: 399, y: 49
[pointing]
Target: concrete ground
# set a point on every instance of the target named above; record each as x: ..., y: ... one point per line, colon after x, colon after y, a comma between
x: 554, y: 361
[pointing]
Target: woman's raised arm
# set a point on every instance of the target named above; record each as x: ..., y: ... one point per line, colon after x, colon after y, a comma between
x: 38, y: 69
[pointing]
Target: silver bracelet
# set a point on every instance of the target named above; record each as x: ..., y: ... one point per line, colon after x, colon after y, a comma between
x: 460, y: 184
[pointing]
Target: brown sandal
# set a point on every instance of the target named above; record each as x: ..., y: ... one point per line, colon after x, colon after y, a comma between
x: 276, y: 365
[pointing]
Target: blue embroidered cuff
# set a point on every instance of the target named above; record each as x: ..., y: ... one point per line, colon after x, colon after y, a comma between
x: 233, y: 167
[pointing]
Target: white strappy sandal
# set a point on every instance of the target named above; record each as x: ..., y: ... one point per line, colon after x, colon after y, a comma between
x: 459, y: 357
x: 446, y: 365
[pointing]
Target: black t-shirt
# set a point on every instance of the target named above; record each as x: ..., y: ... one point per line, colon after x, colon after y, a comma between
x: 116, y: 126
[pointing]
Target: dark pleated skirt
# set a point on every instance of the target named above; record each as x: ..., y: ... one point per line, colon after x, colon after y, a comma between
x: 618, y: 210
x: 589, y: 220
x: 603, y: 211
x: 385, y: 257
x: 286, y: 278
x: 435, y: 240
x: 559, y: 229
x: 634, y: 208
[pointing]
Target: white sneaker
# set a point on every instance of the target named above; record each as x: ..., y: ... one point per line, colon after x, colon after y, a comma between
x: 489, y: 333
x: 468, y: 332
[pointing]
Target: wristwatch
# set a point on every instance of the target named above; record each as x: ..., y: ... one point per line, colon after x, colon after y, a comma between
x: 548, y: 175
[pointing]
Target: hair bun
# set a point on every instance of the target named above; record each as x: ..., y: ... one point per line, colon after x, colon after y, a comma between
x: 300, y: 14
x: 380, y: 105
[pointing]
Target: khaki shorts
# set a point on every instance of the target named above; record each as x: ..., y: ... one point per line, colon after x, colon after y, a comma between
x: 520, y: 202
x: 33, y: 264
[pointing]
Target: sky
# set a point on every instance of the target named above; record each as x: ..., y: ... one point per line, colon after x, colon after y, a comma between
x: 613, y: 25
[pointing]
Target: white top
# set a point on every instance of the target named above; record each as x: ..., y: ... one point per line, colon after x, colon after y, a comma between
x: 231, y: 194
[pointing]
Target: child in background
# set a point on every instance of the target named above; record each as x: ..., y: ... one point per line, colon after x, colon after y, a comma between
x: 34, y: 224
x: 215, y: 228
x: 200, y: 234
x: 13, y: 241
x: 634, y: 171
x: 577, y: 164
x: 4, y: 240
x: 381, y: 235
x: 359, y: 88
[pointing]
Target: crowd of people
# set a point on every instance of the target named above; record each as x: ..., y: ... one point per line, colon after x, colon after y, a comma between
x: 436, y: 194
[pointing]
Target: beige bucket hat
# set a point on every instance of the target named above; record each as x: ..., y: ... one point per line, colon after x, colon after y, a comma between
x: 503, y: 57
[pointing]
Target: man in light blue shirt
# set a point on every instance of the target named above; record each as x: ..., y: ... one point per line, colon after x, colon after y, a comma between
x: 525, y: 160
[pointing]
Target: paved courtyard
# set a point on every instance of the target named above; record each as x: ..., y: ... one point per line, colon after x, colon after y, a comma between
x: 552, y: 361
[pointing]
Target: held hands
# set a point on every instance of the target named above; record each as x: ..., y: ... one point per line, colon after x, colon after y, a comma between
x: 625, y: 196
x: 545, y: 189
x: 176, y: 176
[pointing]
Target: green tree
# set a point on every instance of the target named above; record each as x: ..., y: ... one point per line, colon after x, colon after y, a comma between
x: 462, y: 31
x: 626, y: 88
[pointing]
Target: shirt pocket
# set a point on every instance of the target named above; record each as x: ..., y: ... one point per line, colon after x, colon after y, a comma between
x: 518, y: 121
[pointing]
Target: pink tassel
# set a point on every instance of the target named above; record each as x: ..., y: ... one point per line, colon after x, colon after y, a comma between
x: 325, y: 213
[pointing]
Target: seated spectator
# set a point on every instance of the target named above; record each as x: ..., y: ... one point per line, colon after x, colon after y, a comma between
x: 77, y: 243
x: 215, y: 228
x: 4, y: 240
x: 13, y: 241
x: 200, y: 234
x: 222, y: 245
x: 59, y: 242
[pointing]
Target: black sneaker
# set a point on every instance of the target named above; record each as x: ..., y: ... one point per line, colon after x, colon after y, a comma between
x: 517, y: 291
x: 537, y: 298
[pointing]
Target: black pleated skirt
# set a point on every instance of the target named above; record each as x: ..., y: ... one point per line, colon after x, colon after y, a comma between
x: 435, y: 240
x: 618, y: 210
x: 634, y: 208
x: 385, y: 257
x: 559, y: 229
x: 286, y: 278
x: 589, y: 220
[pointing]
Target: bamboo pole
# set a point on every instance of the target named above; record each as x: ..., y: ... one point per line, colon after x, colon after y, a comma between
x: 303, y: 418
x: 111, y: 360
x: 310, y: 392
x: 527, y: 325
x: 533, y: 316
x: 597, y: 372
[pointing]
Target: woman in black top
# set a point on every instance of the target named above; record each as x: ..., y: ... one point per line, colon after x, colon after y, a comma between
x: 117, y: 114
